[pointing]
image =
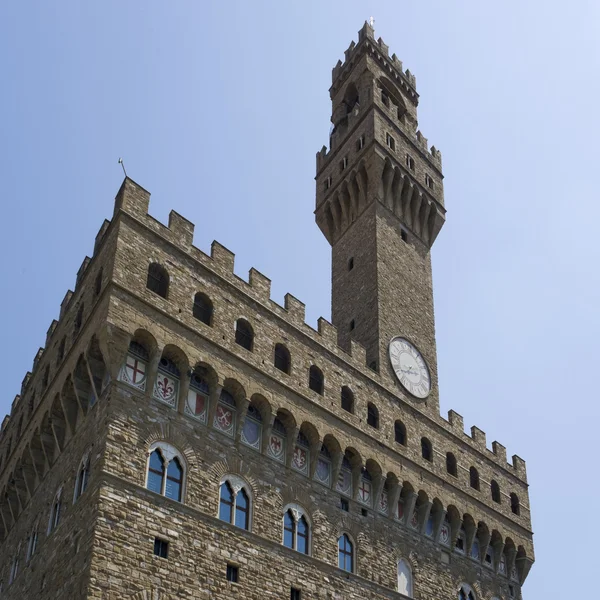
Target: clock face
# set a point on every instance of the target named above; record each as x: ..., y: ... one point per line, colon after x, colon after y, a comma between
x: 410, y: 367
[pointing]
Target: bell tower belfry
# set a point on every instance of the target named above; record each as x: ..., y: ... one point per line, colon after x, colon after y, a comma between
x: 380, y: 204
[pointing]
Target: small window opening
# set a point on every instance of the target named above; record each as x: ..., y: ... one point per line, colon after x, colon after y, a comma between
x: 351, y: 263
x: 400, y: 433
x: 352, y: 325
x: 295, y: 594
x: 385, y: 98
x: 390, y: 141
x: 364, y: 512
x: 372, y: 415
x: 451, y: 466
x: 344, y: 163
x: 410, y: 162
x: 347, y: 399
x: 428, y: 181
x: 161, y: 548
x: 404, y: 235
x: 373, y: 365
x: 232, y: 573
x: 98, y: 283
x: 474, y: 478
x: 327, y: 183
x: 360, y: 143
x: 282, y: 358
x: 158, y: 280
x: 426, y: 449
x: 495, y: 488
x: 315, y: 379
x: 344, y: 504
x: 203, y: 308
x: 244, y: 335
x: 514, y: 504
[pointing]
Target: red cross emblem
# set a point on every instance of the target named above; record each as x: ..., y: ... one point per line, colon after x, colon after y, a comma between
x: 364, y: 491
x: 135, y: 369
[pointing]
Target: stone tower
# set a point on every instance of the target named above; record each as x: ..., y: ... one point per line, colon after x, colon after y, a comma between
x: 183, y: 436
x: 380, y: 204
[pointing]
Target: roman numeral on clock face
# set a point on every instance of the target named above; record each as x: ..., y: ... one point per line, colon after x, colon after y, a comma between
x: 410, y: 367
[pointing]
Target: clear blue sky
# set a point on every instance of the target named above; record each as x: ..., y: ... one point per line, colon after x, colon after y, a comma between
x: 218, y: 109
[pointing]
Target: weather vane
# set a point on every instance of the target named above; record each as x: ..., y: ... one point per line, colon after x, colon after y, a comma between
x: 123, y: 165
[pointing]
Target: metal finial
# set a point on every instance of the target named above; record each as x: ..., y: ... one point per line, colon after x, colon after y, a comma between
x: 123, y: 165
x: 372, y: 21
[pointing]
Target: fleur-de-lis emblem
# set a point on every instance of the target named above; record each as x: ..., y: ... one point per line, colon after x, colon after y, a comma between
x: 165, y: 388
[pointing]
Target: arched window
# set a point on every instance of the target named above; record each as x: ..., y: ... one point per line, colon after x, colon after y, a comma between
x: 158, y: 280
x: 234, y: 502
x: 296, y: 530
x: 83, y: 475
x: 347, y: 399
x: 372, y: 415
x: 451, y: 464
x: 203, y: 308
x: 315, y: 379
x: 466, y: 593
x: 426, y: 449
x: 474, y: 478
x: 345, y: 554
x: 282, y: 358
x: 55, y: 512
x: 405, y: 583
x: 244, y: 334
x: 515, y: 506
x: 495, y: 488
x: 165, y: 474
x: 133, y: 372
x: 400, y: 433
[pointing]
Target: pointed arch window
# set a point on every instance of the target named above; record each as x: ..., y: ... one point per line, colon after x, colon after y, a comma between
x: 166, y: 387
x: 158, y: 280
x: 203, y: 308
x: 296, y: 530
x: 282, y: 358
x: 83, y: 475
x: 466, y: 593
x: 405, y: 579
x: 345, y: 553
x: 315, y: 379
x: 347, y: 399
x: 474, y: 478
x: 234, y: 502
x: 165, y: 472
x: 198, y: 396
x: 244, y: 334
x: 133, y: 372
x: 426, y: 449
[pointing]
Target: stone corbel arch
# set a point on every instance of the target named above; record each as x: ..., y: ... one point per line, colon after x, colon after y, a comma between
x: 163, y: 432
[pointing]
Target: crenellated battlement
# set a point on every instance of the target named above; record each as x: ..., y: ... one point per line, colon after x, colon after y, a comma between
x: 379, y: 50
x: 133, y: 201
